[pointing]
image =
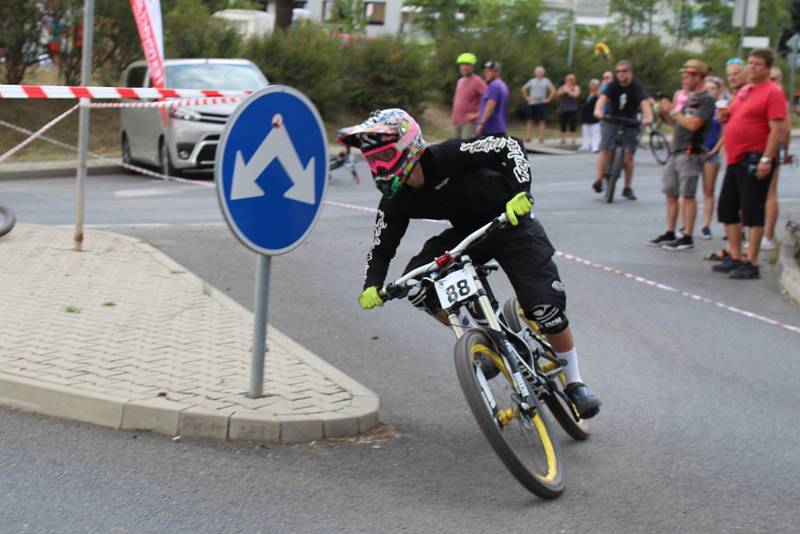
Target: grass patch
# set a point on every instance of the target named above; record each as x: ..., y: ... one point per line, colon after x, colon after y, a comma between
x: 72, y: 309
x: 109, y: 304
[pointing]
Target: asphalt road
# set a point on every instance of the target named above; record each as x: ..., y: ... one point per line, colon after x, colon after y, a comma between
x: 699, y: 430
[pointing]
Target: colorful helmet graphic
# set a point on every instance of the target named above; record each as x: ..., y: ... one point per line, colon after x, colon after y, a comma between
x: 467, y: 58
x: 391, y: 142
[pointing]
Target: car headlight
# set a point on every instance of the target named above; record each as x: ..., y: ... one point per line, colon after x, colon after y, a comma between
x: 184, y: 114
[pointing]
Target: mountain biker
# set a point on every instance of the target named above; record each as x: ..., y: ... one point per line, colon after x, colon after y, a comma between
x: 466, y: 182
x: 625, y: 96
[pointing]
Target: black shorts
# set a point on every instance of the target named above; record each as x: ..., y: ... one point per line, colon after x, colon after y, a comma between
x: 536, y: 112
x: 569, y: 119
x: 609, y: 132
x: 525, y: 254
x: 741, y: 190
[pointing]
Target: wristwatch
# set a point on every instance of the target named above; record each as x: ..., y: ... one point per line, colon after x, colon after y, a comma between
x: 765, y: 159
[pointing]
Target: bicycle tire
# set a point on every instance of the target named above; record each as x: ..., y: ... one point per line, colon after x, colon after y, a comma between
x: 7, y: 220
x: 563, y: 411
x: 659, y: 146
x: 614, y: 171
x: 545, y: 474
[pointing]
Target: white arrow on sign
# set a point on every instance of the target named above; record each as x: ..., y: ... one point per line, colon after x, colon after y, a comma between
x: 276, y: 145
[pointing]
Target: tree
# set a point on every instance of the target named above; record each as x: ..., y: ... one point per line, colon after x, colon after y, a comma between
x: 283, y: 13
x: 349, y: 16
x: 21, y: 26
x: 636, y: 14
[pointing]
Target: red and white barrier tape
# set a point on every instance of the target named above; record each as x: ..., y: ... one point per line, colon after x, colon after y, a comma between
x: 33, y: 136
x: 172, y: 103
x: 114, y: 93
x: 629, y: 276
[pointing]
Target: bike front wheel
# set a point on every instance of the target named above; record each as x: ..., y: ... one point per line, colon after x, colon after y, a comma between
x: 562, y: 409
x: 659, y: 146
x: 614, y: 171
x: 521, y: 438
x: 7, y: 219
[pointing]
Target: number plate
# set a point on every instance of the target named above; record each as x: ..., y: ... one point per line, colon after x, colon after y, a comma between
x: 455, y: 287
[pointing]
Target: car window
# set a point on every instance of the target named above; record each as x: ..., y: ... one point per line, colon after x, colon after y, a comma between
x: 136, y: 77
x: 214, y: 76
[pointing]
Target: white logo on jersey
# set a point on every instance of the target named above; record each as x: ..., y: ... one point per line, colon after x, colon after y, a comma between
x: 380, y: 226
x: 623, y: 100
x: 497, y: 144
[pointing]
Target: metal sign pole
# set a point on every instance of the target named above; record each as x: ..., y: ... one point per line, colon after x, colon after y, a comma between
x: 260, y: 326
x: 792, y: 66
x: 83, y: 122
x: 742, y: 29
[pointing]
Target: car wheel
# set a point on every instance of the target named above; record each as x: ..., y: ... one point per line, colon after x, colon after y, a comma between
x: 165, y: 163
x: 126, y: 155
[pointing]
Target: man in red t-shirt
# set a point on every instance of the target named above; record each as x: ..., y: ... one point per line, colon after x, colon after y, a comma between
x: 754, y: 129
x: 467, y: 99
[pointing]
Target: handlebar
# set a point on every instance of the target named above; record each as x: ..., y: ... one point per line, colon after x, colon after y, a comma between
x: 394, y: 289
x: 622, y: 120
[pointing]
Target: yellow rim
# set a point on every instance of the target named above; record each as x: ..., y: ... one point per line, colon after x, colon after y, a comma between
x: 549, y: 451
x: 497, y: 360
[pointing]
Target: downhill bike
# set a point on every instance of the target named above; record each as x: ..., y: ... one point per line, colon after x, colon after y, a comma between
x: 508, y: 371
x: 617, y: 159
x: 659, y: 145
x: 7, y: 219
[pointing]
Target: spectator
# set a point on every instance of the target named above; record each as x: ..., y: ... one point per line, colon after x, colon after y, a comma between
x: 493, y: 117
x: 568, y: 95
x: 711, y: 165
x: 753, y: 133
x: 467, y: 98
x: 625, y: 96
x: 537, y: 92
x: 590, y: 126
x: 771, y: 208
x: 607, y: 78
x: 685, y: 163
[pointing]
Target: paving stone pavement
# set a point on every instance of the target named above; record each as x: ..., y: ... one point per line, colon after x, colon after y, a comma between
x: 122, y: 336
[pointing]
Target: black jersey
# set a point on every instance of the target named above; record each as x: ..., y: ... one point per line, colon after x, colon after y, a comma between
x: 466, y: 182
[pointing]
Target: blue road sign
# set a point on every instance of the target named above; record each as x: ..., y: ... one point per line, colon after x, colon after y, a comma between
x: 271, y: 170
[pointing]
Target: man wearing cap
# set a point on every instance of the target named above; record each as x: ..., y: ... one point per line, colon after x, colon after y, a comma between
x: 493, y: 116
x: 537, y: 92
x: 467, y: 99
x: 685, y: 163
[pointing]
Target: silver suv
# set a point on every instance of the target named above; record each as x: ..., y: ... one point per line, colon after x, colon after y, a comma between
x: 188, y: 140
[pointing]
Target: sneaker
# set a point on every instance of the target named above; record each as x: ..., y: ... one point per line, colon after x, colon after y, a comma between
x: 666, y: 237
x: 598, y: 186
x: 705, y: 233
x: 767, y: 244
x: 587, y: 404
x: 628, y: 193
x: 679, y: 233
x: 684, y: 243
x: 727, y: 265
x: 745, y: 271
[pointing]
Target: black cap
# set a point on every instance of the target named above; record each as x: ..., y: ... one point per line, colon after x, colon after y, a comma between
x: 491, y: 65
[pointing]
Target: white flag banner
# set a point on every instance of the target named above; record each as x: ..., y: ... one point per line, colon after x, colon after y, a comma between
x: 147, y: 14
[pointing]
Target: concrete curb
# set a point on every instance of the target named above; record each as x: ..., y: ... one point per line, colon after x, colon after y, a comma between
x: 789, y: 272
x: 172, y: 418
x: 54, y: 169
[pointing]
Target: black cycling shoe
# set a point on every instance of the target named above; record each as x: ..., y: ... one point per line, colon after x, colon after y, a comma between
x: 628, y: 193
x: 587, y: 404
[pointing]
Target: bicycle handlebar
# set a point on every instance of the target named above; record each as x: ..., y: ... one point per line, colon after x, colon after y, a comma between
x: 388, y: 292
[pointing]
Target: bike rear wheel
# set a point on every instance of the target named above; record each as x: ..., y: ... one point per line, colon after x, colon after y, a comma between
x: 7, y: 220
x: 614, y: 171
x: 562, y: 409
x: 659, y: 146
x: 521, y: 440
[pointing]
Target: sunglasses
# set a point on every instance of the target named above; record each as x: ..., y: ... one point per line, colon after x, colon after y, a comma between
x: 622, y: 70
x: 734, y: 61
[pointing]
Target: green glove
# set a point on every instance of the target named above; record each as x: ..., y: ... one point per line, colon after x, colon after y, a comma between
x: 519, y: 205
x: 370, y: 298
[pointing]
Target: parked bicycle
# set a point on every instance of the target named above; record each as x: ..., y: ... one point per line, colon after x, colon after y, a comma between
x: 509, y: 373
x: 7, y: 219
x: 340, y: 160
x: 657, y: 141
x: 617, y: 160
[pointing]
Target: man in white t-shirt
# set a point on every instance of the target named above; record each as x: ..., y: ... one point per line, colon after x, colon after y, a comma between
x: 538, y: 91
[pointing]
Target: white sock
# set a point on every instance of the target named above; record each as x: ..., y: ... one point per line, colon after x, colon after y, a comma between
x: 572, y: 369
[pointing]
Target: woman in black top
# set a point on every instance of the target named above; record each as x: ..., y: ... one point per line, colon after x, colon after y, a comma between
x: 568, y: 95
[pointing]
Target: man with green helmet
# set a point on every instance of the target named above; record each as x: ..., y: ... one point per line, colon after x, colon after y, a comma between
x: 467, y: 99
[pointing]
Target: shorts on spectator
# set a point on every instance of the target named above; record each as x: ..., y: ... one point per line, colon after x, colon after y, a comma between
x: 569, y: 120
x: 713, y: 159
x: 536, y: 112
x: 630, y: 136
x: 741, y: 190
x: 681, y: 174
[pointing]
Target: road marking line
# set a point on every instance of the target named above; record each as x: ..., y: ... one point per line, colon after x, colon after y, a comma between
x: 629, y: 276
x: 130, y: 193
